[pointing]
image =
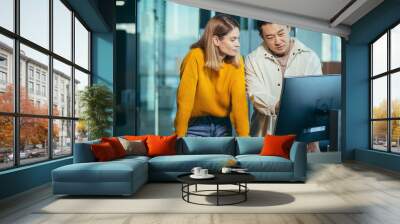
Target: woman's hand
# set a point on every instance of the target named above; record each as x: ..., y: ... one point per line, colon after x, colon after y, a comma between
x: 277, y: 107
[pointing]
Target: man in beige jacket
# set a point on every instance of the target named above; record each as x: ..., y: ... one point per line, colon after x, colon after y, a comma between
x: 278, y: 56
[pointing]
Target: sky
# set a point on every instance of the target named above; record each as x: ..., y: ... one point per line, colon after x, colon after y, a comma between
x: 379, y: 62
x: 35, y: 27
x: 379, y: 59
x: 395, y: 45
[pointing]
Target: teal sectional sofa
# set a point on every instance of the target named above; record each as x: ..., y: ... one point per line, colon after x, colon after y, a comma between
x: 125, y: 176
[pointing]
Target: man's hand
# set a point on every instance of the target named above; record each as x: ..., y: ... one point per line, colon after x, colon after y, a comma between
x: 313, y: 147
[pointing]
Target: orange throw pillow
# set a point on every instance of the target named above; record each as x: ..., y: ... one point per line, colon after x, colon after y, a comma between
x: 275, y: 145
x: 161, y: 145
x: 116, y: 145
x: 136, y: 138
x: 103, y: 151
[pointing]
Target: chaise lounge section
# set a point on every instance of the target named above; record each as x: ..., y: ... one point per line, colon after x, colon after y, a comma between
x: 88, y: 177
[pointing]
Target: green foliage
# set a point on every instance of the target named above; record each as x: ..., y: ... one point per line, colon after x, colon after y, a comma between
x: 96, y: 102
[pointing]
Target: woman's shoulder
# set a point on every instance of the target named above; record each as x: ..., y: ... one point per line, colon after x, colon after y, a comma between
x: 195, y: 54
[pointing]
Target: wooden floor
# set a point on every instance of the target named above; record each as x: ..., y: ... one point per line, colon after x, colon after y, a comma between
x: 377, y: 188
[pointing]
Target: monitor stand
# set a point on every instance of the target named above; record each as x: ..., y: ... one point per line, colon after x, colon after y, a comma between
x: 333, y: 153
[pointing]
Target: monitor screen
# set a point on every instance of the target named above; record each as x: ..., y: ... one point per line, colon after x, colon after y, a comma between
x: 306, y: 104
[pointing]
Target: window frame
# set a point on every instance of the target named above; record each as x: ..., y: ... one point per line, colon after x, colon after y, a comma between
x: 3, y: 68
x: 16, y: 114
x: 3, y: 77
x: 388, y: 74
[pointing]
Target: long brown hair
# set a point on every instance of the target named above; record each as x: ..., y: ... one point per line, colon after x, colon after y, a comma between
x: 219, y: 25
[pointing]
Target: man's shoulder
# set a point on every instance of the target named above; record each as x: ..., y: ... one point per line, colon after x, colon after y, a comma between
x: 306, y: 51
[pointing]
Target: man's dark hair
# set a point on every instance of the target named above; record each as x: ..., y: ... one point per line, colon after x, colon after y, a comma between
x: 260, y: 24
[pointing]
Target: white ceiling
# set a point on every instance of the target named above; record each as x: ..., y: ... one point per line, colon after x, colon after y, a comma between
x: 315, y: 15
x: 321, y: 9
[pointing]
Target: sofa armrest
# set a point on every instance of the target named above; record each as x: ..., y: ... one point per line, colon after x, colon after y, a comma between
x: 83, y: 152
x: 298, y: 155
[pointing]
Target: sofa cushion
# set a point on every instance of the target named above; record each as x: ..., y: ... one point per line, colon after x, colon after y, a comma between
x: 249, y: 145
x: 161, y: 145
x: 257, y: 163
x: 185, y: 163
x: 133, y: 158
x: 135, y: 147
x: 206, y: 145
x: 136, y: 137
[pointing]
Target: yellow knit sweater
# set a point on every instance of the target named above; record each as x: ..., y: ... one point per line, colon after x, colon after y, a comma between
x: 204, y: 92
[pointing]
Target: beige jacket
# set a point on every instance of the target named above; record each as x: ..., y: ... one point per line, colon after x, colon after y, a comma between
x: 264, y: 81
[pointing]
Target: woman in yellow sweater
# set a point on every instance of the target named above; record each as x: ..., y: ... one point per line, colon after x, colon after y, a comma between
x: 211, y: 92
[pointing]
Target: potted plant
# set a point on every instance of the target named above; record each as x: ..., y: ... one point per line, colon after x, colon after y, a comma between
x: 96, y: 102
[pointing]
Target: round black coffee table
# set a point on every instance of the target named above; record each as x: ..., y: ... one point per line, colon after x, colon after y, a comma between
x: 238, y: 179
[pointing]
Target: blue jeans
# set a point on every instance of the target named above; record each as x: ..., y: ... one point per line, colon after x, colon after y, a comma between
x: 209, y: 126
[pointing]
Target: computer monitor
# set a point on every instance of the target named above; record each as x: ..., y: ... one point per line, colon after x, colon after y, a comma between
x: 306, y: 107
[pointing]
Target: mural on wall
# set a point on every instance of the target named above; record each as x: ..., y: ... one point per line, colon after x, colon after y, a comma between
x: 214, y: 81
x: 165, y: 48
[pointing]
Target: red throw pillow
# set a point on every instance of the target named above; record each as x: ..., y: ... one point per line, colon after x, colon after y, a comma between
x: 161, y: 145
x: 103, y: 151
x: 275, y: 145
x: 116, y: 145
